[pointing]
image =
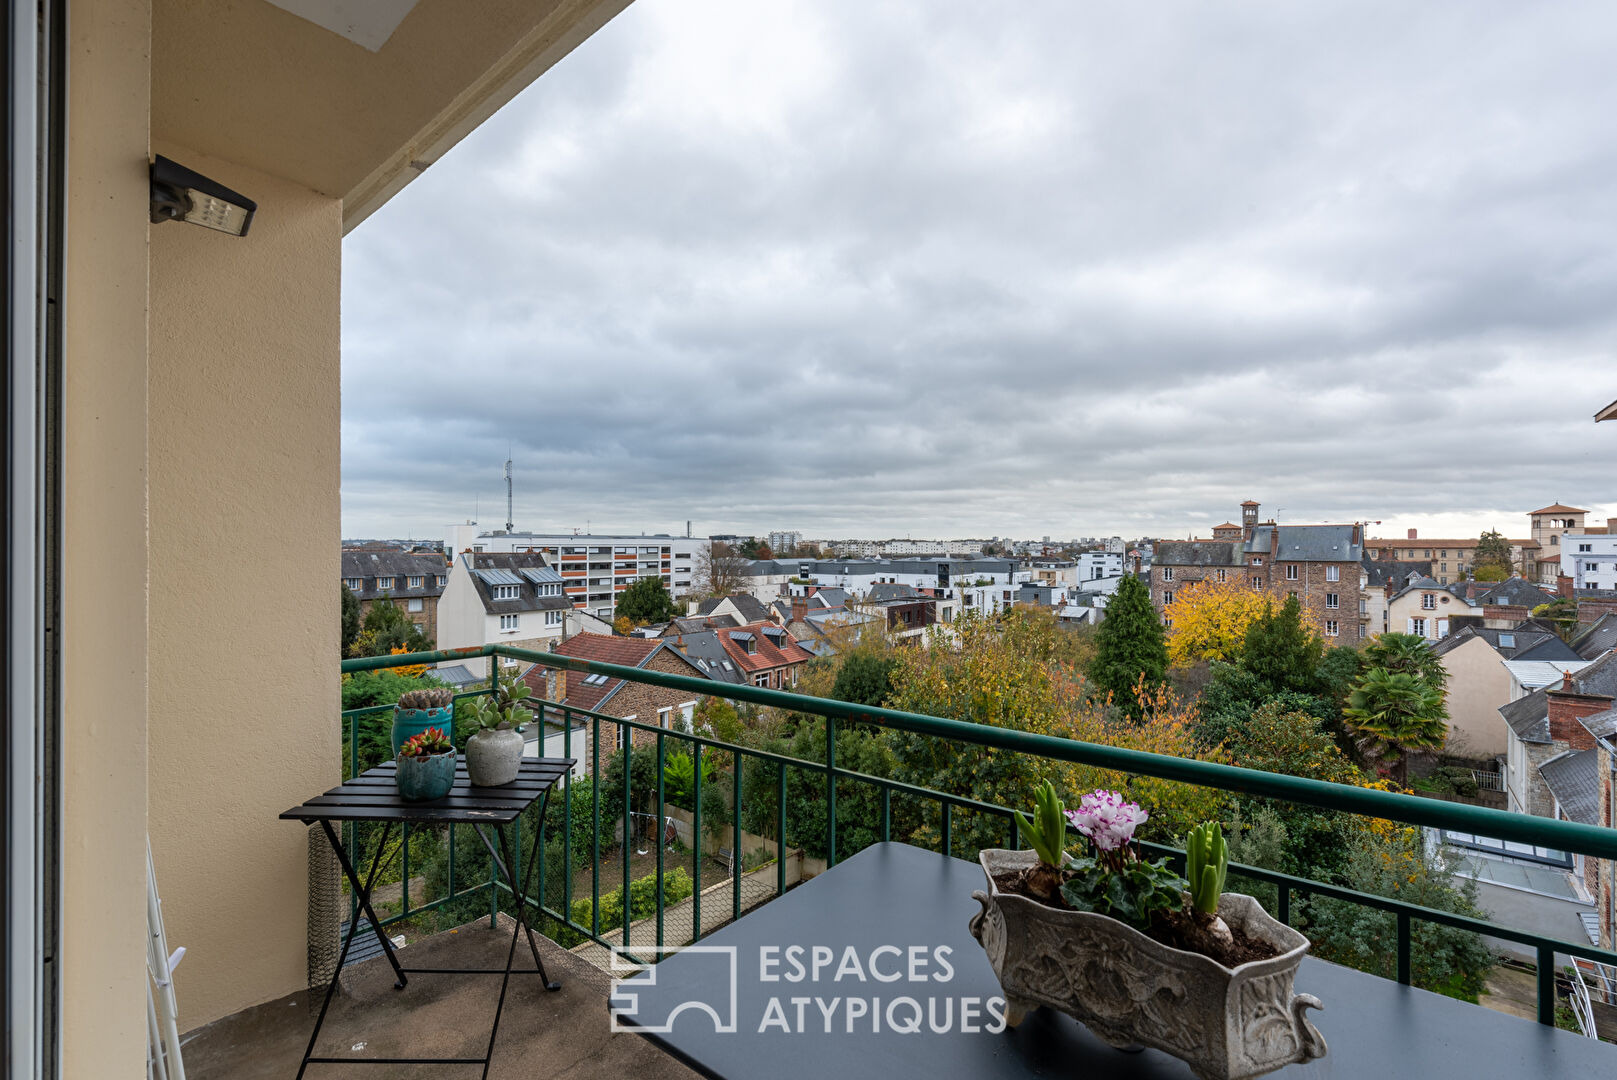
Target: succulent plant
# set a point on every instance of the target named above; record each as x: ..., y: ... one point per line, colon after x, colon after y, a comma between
x: 507, y: 706
x: 438, y: 698
x: 429, y: 743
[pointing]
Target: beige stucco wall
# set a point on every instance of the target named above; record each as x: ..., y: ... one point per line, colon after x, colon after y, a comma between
x: 104, y: 544
x: 244, y: 492
x: 1478, y: 685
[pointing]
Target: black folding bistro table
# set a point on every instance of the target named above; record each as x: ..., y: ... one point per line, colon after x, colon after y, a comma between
x: 373, y: 796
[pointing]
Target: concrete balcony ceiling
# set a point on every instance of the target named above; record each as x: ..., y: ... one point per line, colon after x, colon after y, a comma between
x: 350, y: 98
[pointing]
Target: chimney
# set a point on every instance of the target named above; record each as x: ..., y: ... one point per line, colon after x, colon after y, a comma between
x: 1358, y: 537
x: 1412, y: 534
x: 1611, y: 526
x: 1563, y: 587
x: 550, y: 685
x: 799, y: 609
x: 1567, y: 707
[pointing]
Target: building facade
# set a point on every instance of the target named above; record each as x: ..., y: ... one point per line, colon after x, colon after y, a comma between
x: 413, y: 582
x: 503, y: 598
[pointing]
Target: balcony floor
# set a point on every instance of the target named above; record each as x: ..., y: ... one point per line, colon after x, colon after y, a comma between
x: 561, y: 1034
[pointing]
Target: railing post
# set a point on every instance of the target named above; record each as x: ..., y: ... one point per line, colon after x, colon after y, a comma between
x: 735, y: 833
x: 1546, y: 985
x: 566, y: 815
x: 1403, y: 948
x: 886, y: 814
x: 830, y: 791
x: 595, y: 831
x: 662, y: 812
x: 780, y: 828
x: 404, y: 882
x: 696, y: 841
x: 628, y: 825
x: 948, y: 826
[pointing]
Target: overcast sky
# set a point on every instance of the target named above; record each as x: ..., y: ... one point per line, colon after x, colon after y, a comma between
x: 1061, y: 268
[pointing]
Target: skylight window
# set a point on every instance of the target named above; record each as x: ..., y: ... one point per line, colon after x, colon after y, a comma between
x: 595, y: 680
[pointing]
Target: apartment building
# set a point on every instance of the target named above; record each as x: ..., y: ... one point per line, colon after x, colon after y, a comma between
x: 413, y: 582
x: 1590, y: 560
x: 595, y: 568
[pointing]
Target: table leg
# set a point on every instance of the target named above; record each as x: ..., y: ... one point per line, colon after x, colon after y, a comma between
x: 504, y: 863
x: 363, y: 892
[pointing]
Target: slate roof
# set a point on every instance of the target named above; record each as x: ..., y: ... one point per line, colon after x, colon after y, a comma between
x: 1574, y: 779
x: 702, y: 648
x: 1315, y: 543
x: 751, y: 608
x: 369, y: 566
x: 1198, y: 553
x: 888, y: 591
x: 1529, y: 717
x: 1382, y: 573
x: 527, y: 598
x: 1601, y: 636
x: 1602, y: 725
x: 1516, y: 593
x: 584, y: 691
x: 1525, y: 643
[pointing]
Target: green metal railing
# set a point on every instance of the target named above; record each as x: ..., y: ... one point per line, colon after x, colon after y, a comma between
x: 1405, y: 809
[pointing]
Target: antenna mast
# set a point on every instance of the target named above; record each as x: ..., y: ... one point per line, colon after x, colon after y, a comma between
x: 509, y: 528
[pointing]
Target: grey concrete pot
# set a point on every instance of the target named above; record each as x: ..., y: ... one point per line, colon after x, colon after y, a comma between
x: 1225, y: 1023
x: 494, y: 757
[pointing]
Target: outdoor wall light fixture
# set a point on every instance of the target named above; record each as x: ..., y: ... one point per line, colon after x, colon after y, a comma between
x: 178, y: 194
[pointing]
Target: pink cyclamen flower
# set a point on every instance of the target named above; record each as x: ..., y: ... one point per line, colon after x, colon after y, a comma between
x: 1106, y: 819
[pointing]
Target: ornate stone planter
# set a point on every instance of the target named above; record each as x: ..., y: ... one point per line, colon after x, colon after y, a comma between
x: 494, y: 757
x: 1130, y: 990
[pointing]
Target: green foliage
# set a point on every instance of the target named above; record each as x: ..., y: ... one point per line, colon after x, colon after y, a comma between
x: 718, y: 718
x: 676, y: 885
x: 1133, y: 892
x: 1561, y: 612
x: 679, y: 778
x: 1408, y: 653
x: 864, y: 677
x: 1492, y: 557
x: 387, y: 629
x: 1394, y: 712
x: 859, y: 749
x: 642, y: 782
x: 374, y: 731
x: 646, y: 601
x: 1282, y: 653
x: 1130, y: 647
x: 1046, y: 834
x: 350, y: 619
x: 362, y: 689
x: 1206, y: 862
x: 506, y: 706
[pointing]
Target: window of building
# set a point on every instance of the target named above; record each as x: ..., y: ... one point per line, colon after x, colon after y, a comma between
x: 1167, y: 597
x: 1585, y: 547
x: 354, y: 584
x: 1331, y: 628
x: 1257, y: 562
x: 1507, y: 641
x: 442, y: 581
x: 1428, y: 602
x: 1167, y: 622
x: 1428, y: 554
x: 384, y: 583
x: 417, y: 604
x: 1291, y: 571
x: 553, y: 618
x: 415, y: 583
x: 1292, y: 594
x: 1555, y: 540
x: 1257, y: 582
x: 1332, y: 600
x: 761, y: 679
x: 509, y: 622
x: 505, y: 592
x: 1333, y: 573
x: 1220, y: 575
x: 1418, y: 627
x: 1167, y: 573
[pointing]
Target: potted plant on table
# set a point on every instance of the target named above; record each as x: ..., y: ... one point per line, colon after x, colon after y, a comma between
x: 418, y: 710
x: 1135, y: 952
x: 494, y: 752
x: 426, y: 767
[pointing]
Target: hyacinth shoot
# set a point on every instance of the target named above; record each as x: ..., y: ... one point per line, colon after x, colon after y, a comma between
x: 1107, y: 819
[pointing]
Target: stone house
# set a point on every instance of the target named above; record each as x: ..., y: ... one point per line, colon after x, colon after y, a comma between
x: 673, y: 709
x: 1545, y: 724
x: 412, y: 581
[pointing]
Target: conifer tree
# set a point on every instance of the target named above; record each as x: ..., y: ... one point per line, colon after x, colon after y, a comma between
x: 1129, y: 645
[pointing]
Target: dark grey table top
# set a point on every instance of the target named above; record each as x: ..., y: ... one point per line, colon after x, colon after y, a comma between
x: 903, y: 897
x: 374, y: 796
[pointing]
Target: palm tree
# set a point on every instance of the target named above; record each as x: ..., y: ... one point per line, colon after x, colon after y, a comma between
x: 1393, y: 713
x: 1408, y: 653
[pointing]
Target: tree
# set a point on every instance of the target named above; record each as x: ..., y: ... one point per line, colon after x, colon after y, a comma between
x: 1408, y: 653
x: 719, y: 570
x: 1281, y: 652
x: 350, y: 619
x: 1395, y: 713
x: 1129, y: 645
x: 387, y: 630
x: 865, y: 677
x: 1210, y: 620
x: 1492, y: 561
x: 647, y: 601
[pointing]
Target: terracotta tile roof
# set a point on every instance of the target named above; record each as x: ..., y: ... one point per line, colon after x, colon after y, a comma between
x: 767, y: 655
x: 1558, y: 508
x: 584, y: 691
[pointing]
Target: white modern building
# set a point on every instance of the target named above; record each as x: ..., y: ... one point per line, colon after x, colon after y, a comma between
x: 1095, y: 565
x: 1590, y: 560
x: 595, y: 568
x: 978, y: 584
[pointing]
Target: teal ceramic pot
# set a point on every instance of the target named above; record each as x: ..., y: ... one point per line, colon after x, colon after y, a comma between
x: 423, y: 778
x: 411, y: 722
